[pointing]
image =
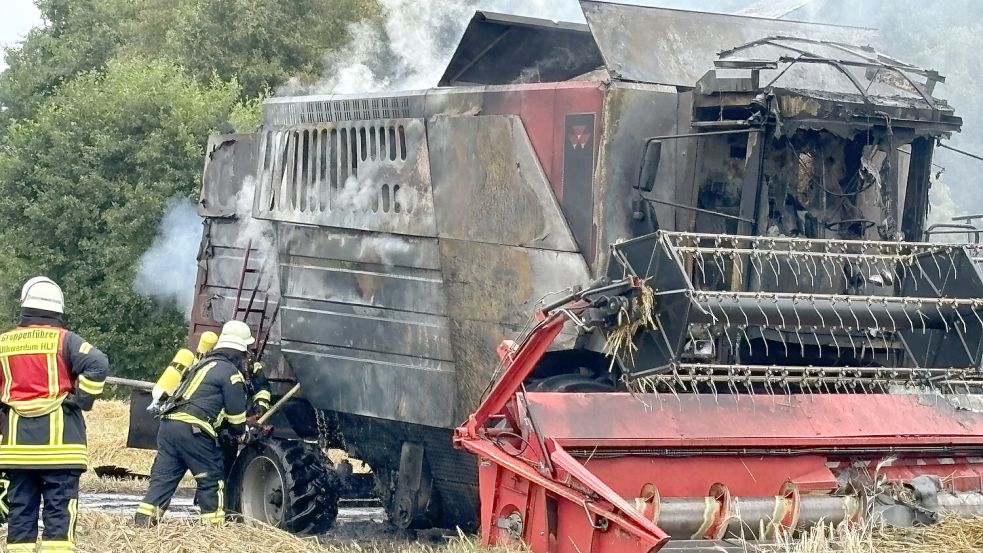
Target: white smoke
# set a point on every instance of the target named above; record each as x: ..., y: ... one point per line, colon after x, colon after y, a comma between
x: 363, y: 193
x: 168, y: 270
x: 411, y: 47
x: 387, y: 250
x: 256, y: 233
x: 357, y: 194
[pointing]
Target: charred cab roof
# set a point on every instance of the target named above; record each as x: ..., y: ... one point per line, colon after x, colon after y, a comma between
x: 633, y: 43
x: 502, y: 49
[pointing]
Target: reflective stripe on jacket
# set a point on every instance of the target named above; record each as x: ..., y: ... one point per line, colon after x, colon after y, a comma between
x: 48, y: 376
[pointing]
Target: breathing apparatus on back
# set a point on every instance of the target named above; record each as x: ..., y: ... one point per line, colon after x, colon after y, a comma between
x: 175, y: 371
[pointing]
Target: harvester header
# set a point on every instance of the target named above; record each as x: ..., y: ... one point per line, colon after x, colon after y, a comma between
x: 704, y: 440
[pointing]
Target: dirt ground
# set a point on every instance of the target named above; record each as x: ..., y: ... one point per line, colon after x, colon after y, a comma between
x: 105, y: 525
x: 104, y: 533
x: 107, y: 505
x: 106, y: 428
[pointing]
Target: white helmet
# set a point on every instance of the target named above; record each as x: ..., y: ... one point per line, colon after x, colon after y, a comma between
x: 42, y: 293
x: 235, y: 335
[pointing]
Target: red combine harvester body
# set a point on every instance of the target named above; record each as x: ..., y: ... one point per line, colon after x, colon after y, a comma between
x: 768, y: 340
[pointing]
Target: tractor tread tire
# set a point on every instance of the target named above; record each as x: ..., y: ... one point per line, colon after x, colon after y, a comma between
x: 311, y: 485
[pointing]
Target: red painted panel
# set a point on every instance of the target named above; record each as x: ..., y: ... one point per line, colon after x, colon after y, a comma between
x: 537, y: 118
x: 692, y: 421
x: 693, y: 476
x: 542, y: 108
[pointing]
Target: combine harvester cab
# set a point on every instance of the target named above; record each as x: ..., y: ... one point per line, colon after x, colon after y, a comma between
x: 413, y: 232
x: 784, y: 352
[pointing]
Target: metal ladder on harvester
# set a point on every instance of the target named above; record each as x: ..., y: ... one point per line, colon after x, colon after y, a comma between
x: 253, y: 306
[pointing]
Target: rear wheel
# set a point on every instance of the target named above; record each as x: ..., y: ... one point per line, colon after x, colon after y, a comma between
x: 570, y: 383
x: 287, y: 484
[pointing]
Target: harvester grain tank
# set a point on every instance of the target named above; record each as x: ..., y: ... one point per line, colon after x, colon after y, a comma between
x: 413, y: 233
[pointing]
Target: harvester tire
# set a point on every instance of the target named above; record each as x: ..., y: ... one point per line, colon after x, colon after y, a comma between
x: 569, y: 383
x: 287, y: 484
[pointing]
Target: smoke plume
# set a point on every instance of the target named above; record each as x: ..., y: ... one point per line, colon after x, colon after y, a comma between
x: 167, y: 271
x: 257, y: 234
x: 411, y: 47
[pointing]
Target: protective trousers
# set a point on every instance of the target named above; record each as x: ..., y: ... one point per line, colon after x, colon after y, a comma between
x: 182, y: 447
x: 60, y: 491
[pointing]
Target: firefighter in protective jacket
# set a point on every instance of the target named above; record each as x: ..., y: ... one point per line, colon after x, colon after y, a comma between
x: 211, y: 395
x: 49, y: 376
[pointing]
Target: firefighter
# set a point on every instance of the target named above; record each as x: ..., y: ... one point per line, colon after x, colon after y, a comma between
x: 49, y: 376
x: 211, y: 395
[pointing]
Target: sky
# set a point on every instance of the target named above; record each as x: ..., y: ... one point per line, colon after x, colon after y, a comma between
x: 16, y: 18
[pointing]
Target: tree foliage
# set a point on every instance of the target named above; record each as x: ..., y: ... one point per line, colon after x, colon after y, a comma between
x: 87, y: 179
x: 260, y: 43
x: 104, y: 114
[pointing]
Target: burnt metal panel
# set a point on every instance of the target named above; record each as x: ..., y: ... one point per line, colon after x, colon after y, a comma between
x: 501, y: 284
x: 367, y: 175
x: 364, y: 325
x: 633, y: 113
x: 676, y: 47
x: 226, y: 199
x: 402, y: 388
x: 916, y: 189
x: 229, y: 160
x: 502, y: 49
x: 685, y: 165
x: 488, y: 185
x: 491, y: 291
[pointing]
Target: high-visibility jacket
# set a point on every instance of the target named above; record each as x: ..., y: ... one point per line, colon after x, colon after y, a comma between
x: 48, y: 376
x: 211, y: 395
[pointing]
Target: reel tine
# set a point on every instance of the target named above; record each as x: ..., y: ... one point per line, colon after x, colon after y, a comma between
x: 757, y: 301
x: 802, y: 345
x: 938, y: 307
x: 938, y: 267
x: 700, y: 262
x: 792, y: 256
x: 815, y: 268
x: 738, y: 265
x: 849, y: 334
x: 849, y: 305
x: 894, y: 323
x: 747, y: 338
x: 819, y: 345
x: 911, y: 323
x: 921, y: 317
x: 829, y: 275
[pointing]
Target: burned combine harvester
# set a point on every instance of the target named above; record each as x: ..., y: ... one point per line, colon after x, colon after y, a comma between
x: 753, y: 191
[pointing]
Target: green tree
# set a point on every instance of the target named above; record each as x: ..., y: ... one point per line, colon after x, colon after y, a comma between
x: 78, y: 36
x: 86, y: 180
x: 104, y: 113
x: 260, y: 43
